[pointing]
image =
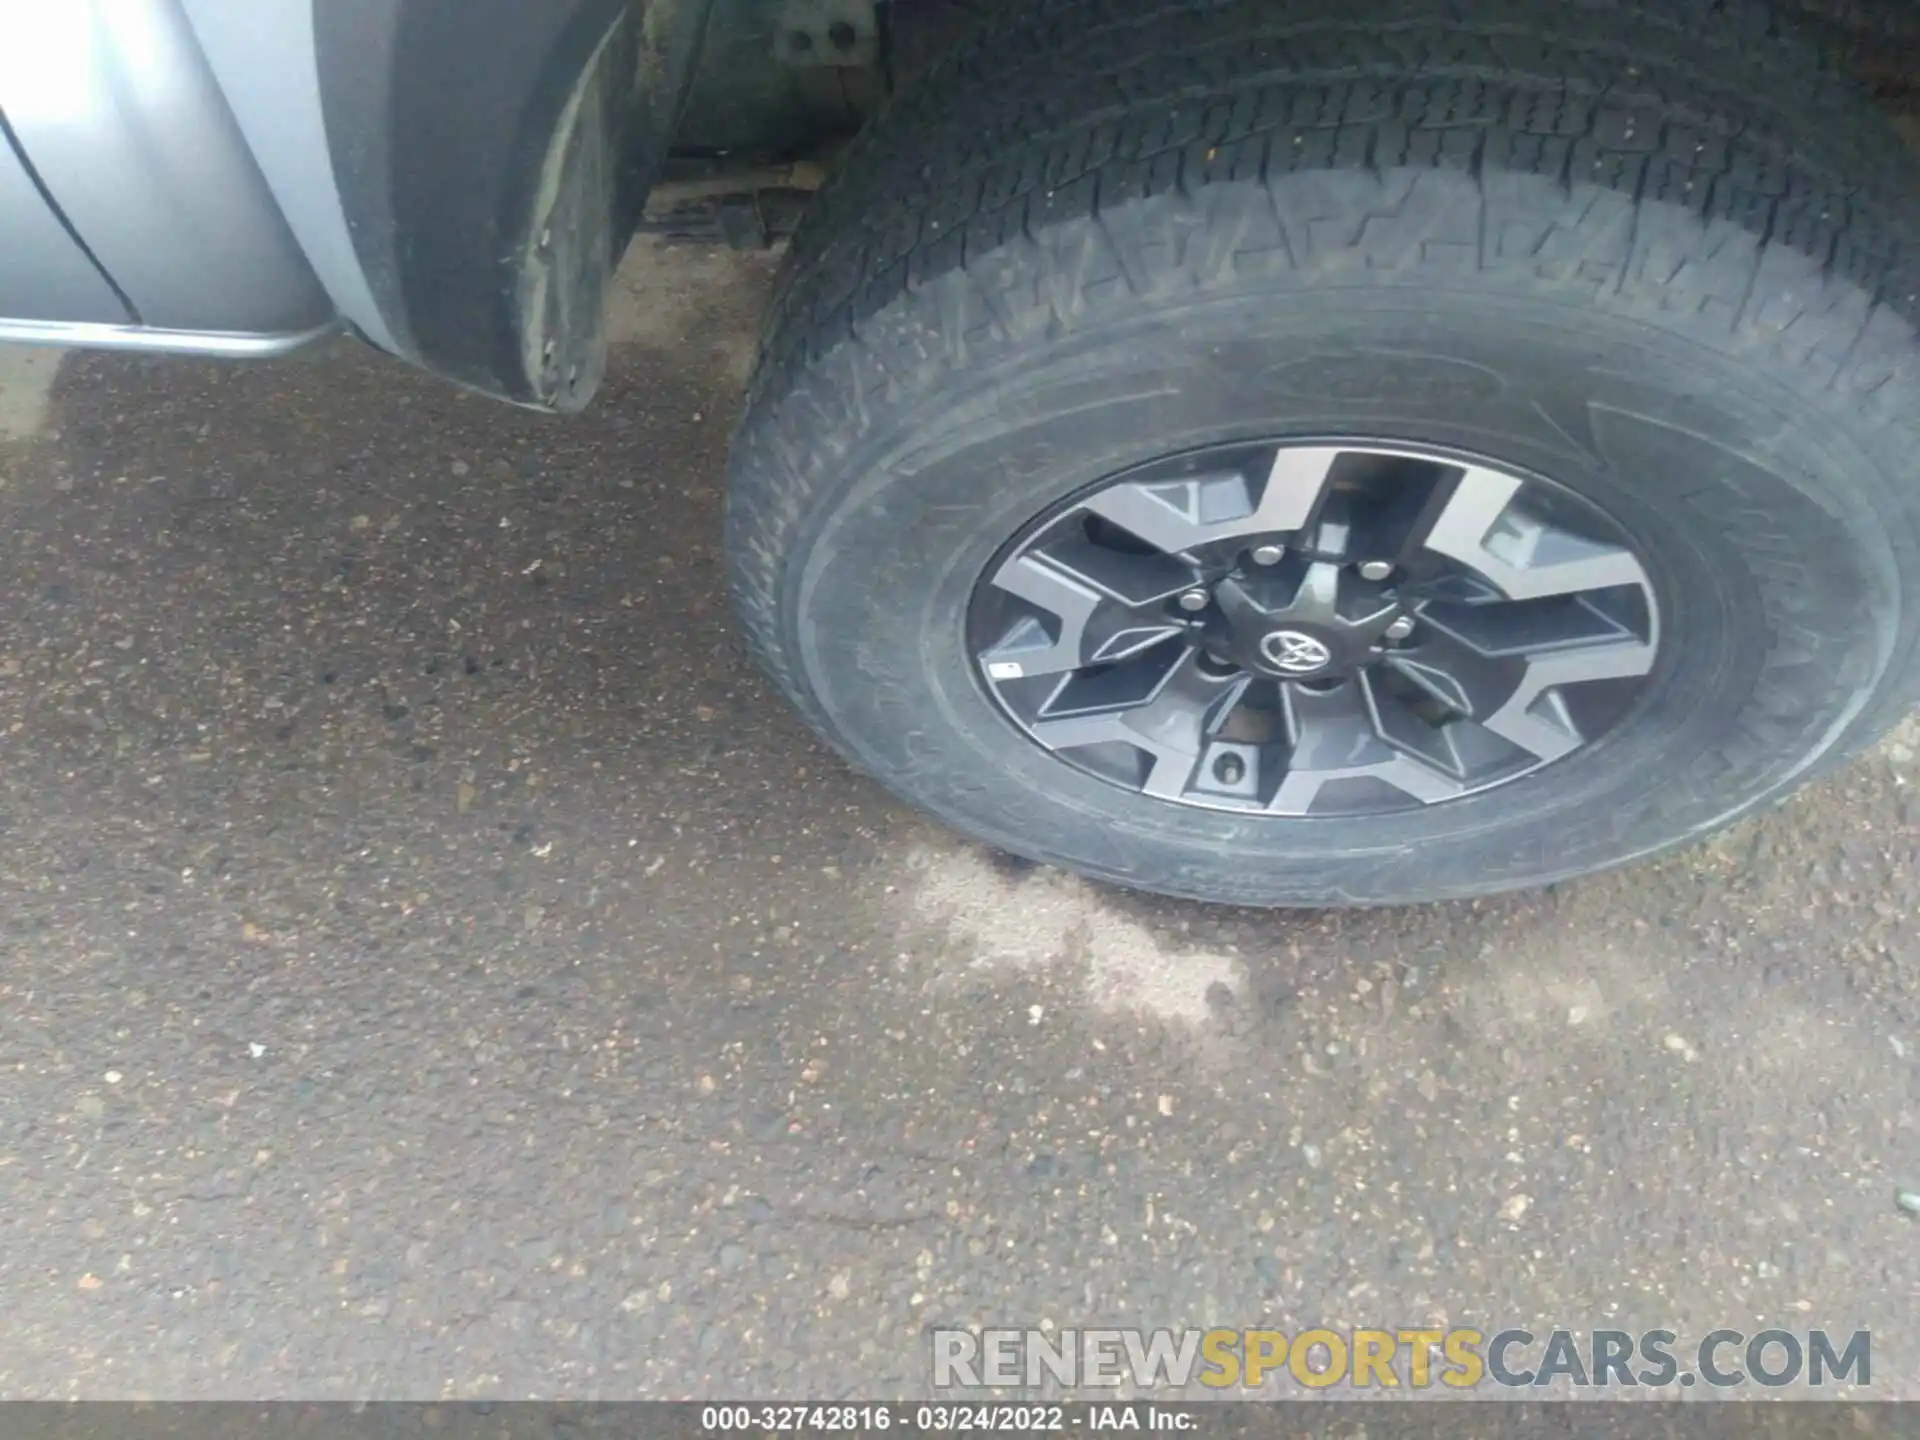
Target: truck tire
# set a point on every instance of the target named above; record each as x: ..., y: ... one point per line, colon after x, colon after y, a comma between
x: 1347, y: 451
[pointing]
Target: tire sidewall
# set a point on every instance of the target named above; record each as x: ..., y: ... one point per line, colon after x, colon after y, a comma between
x: 1779, y: 603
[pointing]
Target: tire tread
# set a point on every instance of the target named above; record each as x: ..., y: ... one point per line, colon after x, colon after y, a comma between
x: 1076, y: 160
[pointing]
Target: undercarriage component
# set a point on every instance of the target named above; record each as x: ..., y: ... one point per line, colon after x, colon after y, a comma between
x: 717, y: 202
x: 828, y: 32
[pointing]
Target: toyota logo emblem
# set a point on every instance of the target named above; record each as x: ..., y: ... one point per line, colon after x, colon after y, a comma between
x: 1293, y: 652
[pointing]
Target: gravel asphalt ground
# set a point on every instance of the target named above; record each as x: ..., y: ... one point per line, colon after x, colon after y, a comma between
x: 434, y: 964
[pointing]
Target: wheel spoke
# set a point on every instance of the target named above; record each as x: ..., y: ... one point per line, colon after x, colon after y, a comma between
x: 1413, y: 778
x: 1398, y: 722
x: 1171, y: 726
x: 1181, y: 515
x: 1104, y: 689
x: 1534, y: 717
x: 1094, y: 596
x: 1336, y: 739
x: 1511, y: 697
x: 1318, y: 598
x: 1129, y: 577
x: 1460, y: 628
x: 1028, y: 648
x: 1456, y: 674
x: 1523, y: 627
x: 1524, y: 556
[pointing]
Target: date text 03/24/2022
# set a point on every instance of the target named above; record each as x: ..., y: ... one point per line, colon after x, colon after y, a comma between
x: 942, y: 1419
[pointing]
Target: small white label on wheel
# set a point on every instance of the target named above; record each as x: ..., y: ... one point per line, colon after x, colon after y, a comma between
x: 1005, y: 670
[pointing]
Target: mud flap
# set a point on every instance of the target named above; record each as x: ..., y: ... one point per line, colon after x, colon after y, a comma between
x: 492, y: 159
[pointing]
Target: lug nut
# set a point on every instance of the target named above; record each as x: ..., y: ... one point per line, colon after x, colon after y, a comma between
x: 1192, y: 600
x: 1375, y: 569
x: 1267, y: 554
x: 1400, y: 628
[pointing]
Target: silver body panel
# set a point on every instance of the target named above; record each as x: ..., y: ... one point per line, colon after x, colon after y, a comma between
x: 263, y: 53
x: 122, y: 120
x: 454, y: 179
x: 44, y: 275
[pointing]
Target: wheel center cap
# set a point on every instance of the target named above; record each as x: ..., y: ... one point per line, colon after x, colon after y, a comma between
x: 1294, y: 652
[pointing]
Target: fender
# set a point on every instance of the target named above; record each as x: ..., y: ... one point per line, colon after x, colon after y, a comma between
x: 462, y: 175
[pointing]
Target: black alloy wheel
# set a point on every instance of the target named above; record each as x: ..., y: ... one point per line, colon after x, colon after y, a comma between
x: 1316, y: 629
